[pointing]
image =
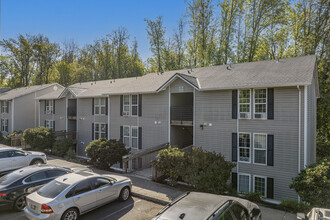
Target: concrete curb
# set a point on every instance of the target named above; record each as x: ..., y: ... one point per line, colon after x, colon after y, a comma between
x: 149, y: 198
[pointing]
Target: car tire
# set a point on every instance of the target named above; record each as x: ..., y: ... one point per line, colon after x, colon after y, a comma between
x: 20, y: 203
x: 36, y: 162
x: 70, y: 214
x: 124, y: 194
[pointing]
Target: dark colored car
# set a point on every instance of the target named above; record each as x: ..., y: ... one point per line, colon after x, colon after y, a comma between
x: 206, y: 206
x: 15, y: 186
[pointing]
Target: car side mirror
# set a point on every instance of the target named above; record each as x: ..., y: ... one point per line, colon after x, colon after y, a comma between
x: 255, y: 212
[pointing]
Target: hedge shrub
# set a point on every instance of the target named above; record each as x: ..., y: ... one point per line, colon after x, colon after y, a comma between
x: 62, y: 146
x: 105, y: 153
x: 295, y: 206
x: 39, y: 138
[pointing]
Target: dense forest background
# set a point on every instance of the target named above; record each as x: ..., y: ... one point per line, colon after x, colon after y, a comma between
x: 211, y: 33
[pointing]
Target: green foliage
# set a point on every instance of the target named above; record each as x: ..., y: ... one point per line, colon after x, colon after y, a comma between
x: 105, y: 153
x: 62, y: 146
x: 70, y: 154
x: 295, y: 206
x: 39, y: 138
x: 313, y: 184
x: 253, y: 196
x: 205, y: 171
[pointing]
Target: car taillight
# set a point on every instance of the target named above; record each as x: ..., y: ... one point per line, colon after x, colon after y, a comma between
x: 3, y: 194
x: 46, y: 209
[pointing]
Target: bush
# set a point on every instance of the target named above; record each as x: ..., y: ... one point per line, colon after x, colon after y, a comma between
x: 313, y: 184
x: 105, y: 153
x: 205, y: 171
x: 253, y: 196
x: 294, y: 206
x: 61, y: 147
x: 70, y: 154
x: 39, y: 138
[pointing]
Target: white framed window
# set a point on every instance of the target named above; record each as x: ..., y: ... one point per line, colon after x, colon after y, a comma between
x: 4, y: 124
x: 100, y: 106
x: 260, y: 103
x: 135, y: 136
x: 260, y: 185
x: 50, y: 124
x: 49, y: 106
x: 126, y: 135
x: 4, y: 106
x: 135, y: 104
x: 100, y: 130
x: 243, y: 185
x: 244, y: 103
x: 126, y: 105
x: 260, y: 148
x: 244, y: 144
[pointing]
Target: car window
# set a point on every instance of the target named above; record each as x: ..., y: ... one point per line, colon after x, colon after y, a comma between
x: 4, y: 154
x: 52, y: 189
x: 239, y: 211
x: 18, y: 153
x: 226, y: 216
x: 83, y: 187
x: 99, y: 182
x: 10, y: 178
x: 55, y: 173
x: 36, y: 177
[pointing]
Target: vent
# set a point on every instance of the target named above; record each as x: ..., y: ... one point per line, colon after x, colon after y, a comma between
x: 244, y: 115
x: 260, y: 115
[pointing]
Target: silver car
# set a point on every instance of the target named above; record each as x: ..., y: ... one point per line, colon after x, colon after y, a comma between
x: 74, y: 194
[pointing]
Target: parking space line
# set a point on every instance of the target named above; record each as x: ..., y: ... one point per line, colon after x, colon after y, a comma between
x: 121, y: 209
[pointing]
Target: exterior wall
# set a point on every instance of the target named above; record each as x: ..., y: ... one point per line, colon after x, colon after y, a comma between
x: 7, y: 116
x: 25, y: 112
x: 179, y: 86
x: 215, y: 107
x: 311, y: 123
x: 59, y: 117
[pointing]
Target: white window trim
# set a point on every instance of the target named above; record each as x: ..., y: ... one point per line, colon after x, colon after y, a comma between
x: 243, y: 174
x: 50, y: 106
x: 127, y: 113
x: 137, y: 138
x: 50, y: 124
x: 244, y: 147
x: 239, y: 104
x: 4, y: 105
x: 4, y: 123
x: 131, y: 106
x: 99, y: 105
x: 254, y: 104
x: 263, y: 164
x: 129, y: 137
x: 264, y: 177
x: 100, y: 130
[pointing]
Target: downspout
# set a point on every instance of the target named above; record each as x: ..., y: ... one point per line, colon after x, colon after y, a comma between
x: 39, y: 113
x: 12, y: 115
x: 108, y: 117
x: 35, y: 109
x: 299, y: 126
x: 305, y: 126
x: 66, y: 113
x: 237, y: 131
x: 194, y: 119
x: 169, y: 114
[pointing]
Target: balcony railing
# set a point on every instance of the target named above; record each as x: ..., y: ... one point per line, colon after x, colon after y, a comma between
x: 181, y: 113
x: 72, y: 111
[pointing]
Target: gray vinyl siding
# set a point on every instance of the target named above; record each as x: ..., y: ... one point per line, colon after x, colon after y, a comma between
x: 25, y: 112
x: 179, y: 83
x: 311, y: 123
x: 59, y: 117
x: 215, y: 107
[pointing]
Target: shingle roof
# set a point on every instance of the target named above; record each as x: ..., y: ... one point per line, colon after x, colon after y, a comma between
x: 52, y: 95
x: 15, y: 93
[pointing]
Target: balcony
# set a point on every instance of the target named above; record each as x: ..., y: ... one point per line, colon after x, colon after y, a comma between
x: 72, y: 112
x: 182, y: 115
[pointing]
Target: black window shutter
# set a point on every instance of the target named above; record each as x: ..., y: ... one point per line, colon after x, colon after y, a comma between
x: 106, y: 129
x: 53, y: 125
x: 121, y: 105
x: 93, y: 107
x: 270, y: 104
x: 270, y: 150
x: 234, y: 104
x: 45, y: 106
x: 121, y: 134
x: 270, y: 188
x: 140, y: 137
x: 1, y: 103
x: 106, y: 106
x: 140, y: 105
x: 234, y: 180
x: 234, y: 147
x: 45, y: 123
x: 1, y: 124
x: 93, y: 131
x: 53, y: 106
x: 7, y: 125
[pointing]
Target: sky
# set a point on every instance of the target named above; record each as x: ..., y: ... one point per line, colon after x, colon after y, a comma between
x: 87, y: 20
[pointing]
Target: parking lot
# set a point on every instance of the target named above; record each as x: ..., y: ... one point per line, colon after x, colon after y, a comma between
x: 134, y: 208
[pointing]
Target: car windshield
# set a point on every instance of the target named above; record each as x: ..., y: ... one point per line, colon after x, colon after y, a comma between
x: 10, y: 178
x: 52, y: 189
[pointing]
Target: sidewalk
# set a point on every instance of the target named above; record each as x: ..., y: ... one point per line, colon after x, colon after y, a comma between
x: 163, y: 194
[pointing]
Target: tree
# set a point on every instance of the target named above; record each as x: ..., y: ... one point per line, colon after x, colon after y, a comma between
x: 156, y: 35
x: 179, y: 45
x: 39, y: 138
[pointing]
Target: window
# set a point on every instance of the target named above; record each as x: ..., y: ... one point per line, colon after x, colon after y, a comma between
x: 50, y: 124
x: 244, y: 103
x: 100, y: 131
x: 4, y: 124
x: 18, y: 153
x: 243, y: 183
x: 239, y: 212
x: 260, y: 185
x: 83, y: 187
x: 99, y: 182
x: 4, y: 154
x: 134, y: 105
x: 244, y: 147
x: 134, y: 137
x: 49, y: 106
x: 4, y: 106
x: 55, y: 173
x: 259, y: 145
x: 126, y: 105
x: 260, y: 103
x: 100, y: 106
x: 126, y: 135
x: 36, y: 177
x: 52, y: 189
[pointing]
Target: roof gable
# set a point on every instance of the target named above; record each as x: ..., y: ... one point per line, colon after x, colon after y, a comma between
x: 190, y: 80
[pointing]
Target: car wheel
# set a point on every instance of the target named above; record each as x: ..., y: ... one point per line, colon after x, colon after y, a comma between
x: 70, y: 214
x: 124, y: 194
x: 36, y: 162
x: 20, y: 203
